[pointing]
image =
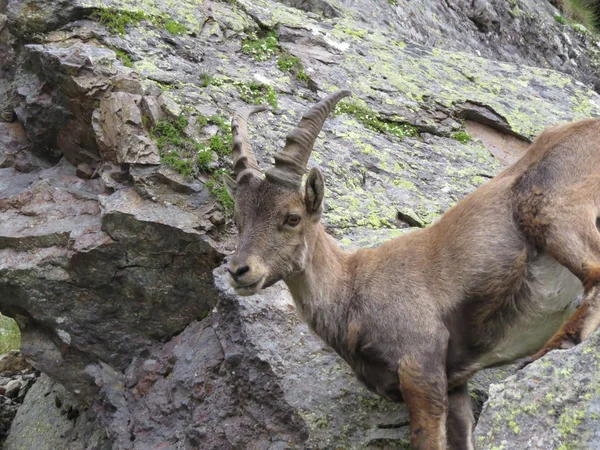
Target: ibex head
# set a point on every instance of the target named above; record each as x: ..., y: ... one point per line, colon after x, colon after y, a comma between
x: 276, y: 220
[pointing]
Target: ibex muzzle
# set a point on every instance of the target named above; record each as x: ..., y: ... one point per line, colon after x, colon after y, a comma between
x: 495, y: 279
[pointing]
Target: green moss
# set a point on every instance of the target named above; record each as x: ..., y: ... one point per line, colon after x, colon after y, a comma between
x: 10, y: 335
x: 560, y: 19
x: 372, y: 120
x: 174, y: 27
x: 462, y: 137
x: 261, y: 48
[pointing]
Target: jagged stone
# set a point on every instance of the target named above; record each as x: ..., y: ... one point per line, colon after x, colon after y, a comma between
x: 120, y: 133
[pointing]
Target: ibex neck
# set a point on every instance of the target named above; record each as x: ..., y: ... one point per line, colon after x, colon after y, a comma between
x: 323, y: 286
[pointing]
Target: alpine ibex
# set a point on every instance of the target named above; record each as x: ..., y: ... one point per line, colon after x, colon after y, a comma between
x: 496, y: 278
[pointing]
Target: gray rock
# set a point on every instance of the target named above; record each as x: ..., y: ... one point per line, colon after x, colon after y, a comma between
x: 50, y: 419
x: 28, y: 17
x: 12, y: 388
x: 120, y: 132
x: 552, y: 404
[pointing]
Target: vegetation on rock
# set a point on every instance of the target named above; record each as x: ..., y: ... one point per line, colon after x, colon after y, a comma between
x: 585, y: 14
x: 117, y: 20
x: 373, y: 120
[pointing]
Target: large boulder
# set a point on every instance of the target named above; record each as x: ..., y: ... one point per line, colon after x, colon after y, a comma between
x: 553, y: 404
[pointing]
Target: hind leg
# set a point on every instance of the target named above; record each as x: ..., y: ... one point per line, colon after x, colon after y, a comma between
x: 575, y: 243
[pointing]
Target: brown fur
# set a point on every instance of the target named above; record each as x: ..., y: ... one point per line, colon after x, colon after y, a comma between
x: 416, y: 316
x: 425, y: 394
x: 592, y: 278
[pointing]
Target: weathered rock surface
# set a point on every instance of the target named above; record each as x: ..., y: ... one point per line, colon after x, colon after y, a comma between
x: 552, y: 404
x: 16, y: 379
x: 107, y: 258
x: 50, y: 419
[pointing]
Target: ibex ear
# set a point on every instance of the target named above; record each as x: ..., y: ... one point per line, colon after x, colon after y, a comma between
x: 230, y: 185
x: 315, y: 189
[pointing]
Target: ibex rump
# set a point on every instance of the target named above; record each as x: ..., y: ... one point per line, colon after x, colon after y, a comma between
x: 496, y: 278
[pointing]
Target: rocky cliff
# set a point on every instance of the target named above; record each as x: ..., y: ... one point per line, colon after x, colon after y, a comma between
x: 114, y: 225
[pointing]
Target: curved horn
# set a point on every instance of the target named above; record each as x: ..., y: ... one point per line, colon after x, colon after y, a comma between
x: 291, y: 161
x: 241, y: 153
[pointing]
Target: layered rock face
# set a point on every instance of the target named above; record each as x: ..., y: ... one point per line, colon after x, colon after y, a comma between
x: 111, y: 262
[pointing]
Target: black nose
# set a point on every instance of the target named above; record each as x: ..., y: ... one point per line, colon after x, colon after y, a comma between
x: 236, y: 273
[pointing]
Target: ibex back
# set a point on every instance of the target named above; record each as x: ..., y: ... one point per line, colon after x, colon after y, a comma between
x: 497, y: 278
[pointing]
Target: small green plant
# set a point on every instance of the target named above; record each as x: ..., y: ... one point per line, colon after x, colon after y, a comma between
x: 174, y: 27
x: 263, y: 48
x: 560, y: 19
x: 257, y: 93
x: 182, y: 153
x: 373, y: 121
x: 218, y: 190
x: 123, y: 57
x: 10, y: 335
x: 291, y: 63
x: 205, y: 80
x: 287, y: 62
x: 220, y: 145
x: 462, y: 137
x: 393, y: 2
x: 175, y: 160
x: 116, y: 20
x: 174, y: 146
x: 204, y: 159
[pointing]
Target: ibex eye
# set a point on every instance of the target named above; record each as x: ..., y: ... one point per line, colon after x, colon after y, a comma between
x: 292, y: 220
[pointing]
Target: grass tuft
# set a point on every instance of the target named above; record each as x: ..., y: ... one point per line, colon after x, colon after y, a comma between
x: 216, y: 187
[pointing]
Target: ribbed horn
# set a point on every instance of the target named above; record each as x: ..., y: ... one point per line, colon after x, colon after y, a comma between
x: 291, y: 161
x: 242, y: 154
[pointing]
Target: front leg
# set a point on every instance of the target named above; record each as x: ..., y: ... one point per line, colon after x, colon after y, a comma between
x: 424, y: 389
x: 460, y: 421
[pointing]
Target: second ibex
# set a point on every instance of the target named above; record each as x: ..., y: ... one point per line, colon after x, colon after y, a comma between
x: 497, y: 278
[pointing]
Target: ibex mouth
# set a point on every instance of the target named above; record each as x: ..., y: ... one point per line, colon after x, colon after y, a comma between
x: 249, y: 289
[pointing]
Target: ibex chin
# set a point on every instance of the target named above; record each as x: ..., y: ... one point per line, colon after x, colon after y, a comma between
x: 499, y: 276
